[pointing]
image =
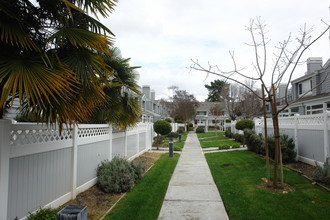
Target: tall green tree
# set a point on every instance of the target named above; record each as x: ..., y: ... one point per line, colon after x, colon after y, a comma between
x: 52, y: 57
x: 218, y: 90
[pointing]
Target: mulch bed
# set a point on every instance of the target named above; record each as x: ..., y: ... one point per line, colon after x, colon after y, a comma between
x: 99, y: 202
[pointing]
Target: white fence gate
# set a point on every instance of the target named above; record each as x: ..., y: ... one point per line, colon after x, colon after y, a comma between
x: 39, y: 167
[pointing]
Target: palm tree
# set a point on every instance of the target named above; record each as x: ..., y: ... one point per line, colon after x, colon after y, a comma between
x: 121, y: 107
x: 52, y: 57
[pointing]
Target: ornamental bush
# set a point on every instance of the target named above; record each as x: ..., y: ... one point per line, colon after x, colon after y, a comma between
x: 200, y: 130
x: 162, y: 127
x: 118, y: 175
x: 244, y: 124
x: 44, y: 214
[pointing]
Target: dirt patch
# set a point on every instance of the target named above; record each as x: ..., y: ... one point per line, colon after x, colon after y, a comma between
x: 302, y: 168
x: 99, y: 202
x: 285, y: 188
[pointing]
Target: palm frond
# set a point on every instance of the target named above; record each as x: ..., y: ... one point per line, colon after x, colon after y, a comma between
x: 11, y: 32
x: 29, y: 78
x: 103, y: 7
x: 81, y: 38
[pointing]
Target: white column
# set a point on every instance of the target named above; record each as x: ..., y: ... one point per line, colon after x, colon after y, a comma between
x: 125, y: 143
x: 326, y: 134
x: 137, y: 138
x: 110, y: 142
x: 296, y: 135
x: 74, y: 160
x: 5, y: 129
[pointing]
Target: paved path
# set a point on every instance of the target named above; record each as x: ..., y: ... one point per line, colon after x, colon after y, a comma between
x: 192, y: 193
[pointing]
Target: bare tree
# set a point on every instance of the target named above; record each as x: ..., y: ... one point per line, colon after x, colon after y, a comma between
x: 232, y: 100
x: 182, y: 105
x: 250, y: 105
x: 285, y: 61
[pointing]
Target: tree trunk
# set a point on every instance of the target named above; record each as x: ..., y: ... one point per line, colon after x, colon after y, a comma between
x: 266, y: 136
x: 278, y: 139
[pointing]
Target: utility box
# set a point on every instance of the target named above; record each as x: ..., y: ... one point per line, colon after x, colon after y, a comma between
x: 73, y: 212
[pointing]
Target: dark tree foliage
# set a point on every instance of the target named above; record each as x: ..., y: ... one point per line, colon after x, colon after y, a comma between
x: 218, y: 89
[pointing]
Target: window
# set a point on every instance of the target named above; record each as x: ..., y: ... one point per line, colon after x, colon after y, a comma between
x: 201, y: 112
x: 314, y: 109
x: 300, y: 89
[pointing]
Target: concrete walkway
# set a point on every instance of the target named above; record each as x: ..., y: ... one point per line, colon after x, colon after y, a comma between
x: 192, y: 193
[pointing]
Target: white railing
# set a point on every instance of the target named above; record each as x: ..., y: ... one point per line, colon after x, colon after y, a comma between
x: 311, y: 134
x: 41, y: 167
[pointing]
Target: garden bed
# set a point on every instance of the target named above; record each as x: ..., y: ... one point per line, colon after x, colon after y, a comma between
x: 99, y: 202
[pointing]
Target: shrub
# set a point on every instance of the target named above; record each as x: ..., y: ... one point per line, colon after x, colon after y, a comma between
x: 162, y: 127
x: 116, y: 176
x: 236, y: 145
x: 229, y: 134
x: 168, y: 120
x: 179, y: 121
x: 253, y: 141
x: 244, y: 124
x: 190, y: 125
x: 44, y: 214
x: 180, y: 130
x: 158, y: 140
x: 200, y: 130
x: 287, y: 147
x: 322, y: 174
x: 238, y: 137
x: 224, y: 147
x: 139, y: 170
x: 288, y: 152
x: 173, y: 135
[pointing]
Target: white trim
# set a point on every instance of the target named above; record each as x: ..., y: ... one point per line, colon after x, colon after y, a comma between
x: 86, y: 185
x: 309, y: 161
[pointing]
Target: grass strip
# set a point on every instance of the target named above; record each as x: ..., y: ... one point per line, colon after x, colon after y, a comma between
x: 217, y: 143
x: 237, y: 175
x: 146, y: 198
x: 217, y: 138
x: 210, y: 134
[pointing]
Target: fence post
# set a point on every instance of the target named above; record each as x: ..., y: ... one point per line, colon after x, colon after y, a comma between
x: 137, y: 138
x: 110, y: 142
x: 296, y: 135
x: 5, y: 129
x: 326, y: 135
x: 74, y: 160
x: 125, y: 143
x: 232, y: 126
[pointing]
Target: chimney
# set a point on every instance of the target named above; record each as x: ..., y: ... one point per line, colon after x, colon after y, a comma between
x: 146, y: 91
x: 313, y: 64
x: 153, y: 94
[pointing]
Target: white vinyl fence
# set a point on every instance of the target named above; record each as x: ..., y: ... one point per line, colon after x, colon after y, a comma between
x: 311, y: 134
x: 39, y: 167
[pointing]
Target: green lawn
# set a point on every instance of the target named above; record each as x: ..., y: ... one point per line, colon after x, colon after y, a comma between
x: 237, y: 175
x: 210, y: 134
x: 214, y: 138
x: 146, y: 198
x: 217, y: 143
x: 178, y: 146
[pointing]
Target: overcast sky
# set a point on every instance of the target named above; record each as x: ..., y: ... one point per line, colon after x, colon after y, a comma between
x: 162, y: 36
